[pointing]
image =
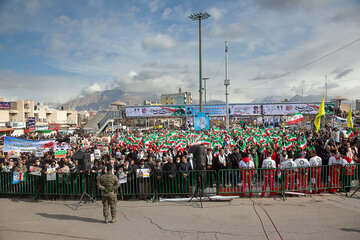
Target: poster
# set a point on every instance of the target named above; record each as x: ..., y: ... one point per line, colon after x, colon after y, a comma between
x: 97, y: 153
x: 60, y: 154
x: 122, y: 177
x: 35, y: 170
x: 143, y: 173
x: 39, y: 152
x: 51, y: 176
x: 201, y: 122
x: 18, y: 177
x: 14, y: 154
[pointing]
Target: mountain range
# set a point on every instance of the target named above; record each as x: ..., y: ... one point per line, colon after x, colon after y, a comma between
x: 101, y: 100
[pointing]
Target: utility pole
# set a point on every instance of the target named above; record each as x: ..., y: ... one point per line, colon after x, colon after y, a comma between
x: 205, y: 80
x: 200, y: 16
x: 227, y: 83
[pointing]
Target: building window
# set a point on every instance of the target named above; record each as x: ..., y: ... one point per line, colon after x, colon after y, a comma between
x: 26, y: 106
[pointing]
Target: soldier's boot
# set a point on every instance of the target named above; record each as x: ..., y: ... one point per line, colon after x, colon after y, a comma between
x: 114, y: 220
x: 106, y: 220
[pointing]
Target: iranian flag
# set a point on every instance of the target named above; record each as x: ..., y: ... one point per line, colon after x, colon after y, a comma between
x: 287, y: 146
x: 303, y: 144
x: 278, y: 173
x: 216, y: 153
x: 2, y: 137
x: 263, y: 149
x: 296, y: 118
x: 243, y: 147
x: 350, y: 133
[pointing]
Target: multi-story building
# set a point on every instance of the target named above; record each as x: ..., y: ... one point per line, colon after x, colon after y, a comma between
x: 62, y: 119
x: 179, y: 98
x: 14, y: 115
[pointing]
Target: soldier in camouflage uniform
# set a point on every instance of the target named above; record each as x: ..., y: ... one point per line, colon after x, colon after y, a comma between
x: 108, y: 184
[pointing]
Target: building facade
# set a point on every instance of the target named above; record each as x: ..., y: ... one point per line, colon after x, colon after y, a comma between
x: 179, y: 98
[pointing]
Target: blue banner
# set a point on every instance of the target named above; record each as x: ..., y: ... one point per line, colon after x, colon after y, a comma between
x: 24, y: 145
x: 4, y: 105
x: 201, y: 122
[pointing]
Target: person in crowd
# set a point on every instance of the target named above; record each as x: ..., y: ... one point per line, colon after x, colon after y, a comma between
x: 246, y: 169
x: 289, y: 168
x: 209, y: 159
x: 335, y: 163
x: 302, y: 172
x: 315, y: 163
x: 268, y: 174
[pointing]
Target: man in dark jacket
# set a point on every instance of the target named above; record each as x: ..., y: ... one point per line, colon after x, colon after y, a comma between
x: 234, y: 160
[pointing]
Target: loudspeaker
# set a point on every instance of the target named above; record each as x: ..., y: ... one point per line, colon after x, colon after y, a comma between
x: 84, y: 160
x: 199, y: 156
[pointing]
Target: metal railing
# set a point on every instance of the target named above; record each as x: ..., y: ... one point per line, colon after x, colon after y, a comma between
x: 238, y: 182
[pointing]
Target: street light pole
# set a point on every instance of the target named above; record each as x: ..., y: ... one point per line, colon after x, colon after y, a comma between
x: 200, y: 16
x: 205, y: 80
x: 226, y: 83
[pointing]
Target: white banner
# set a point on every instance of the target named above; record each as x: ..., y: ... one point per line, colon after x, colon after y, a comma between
x: 154, y: 111
x: 290, y: 108
x: 240, y: 110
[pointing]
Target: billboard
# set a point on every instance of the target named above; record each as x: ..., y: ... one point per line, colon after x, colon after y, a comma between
x: 31, y: 124
x: 4, y: 105
x: 292, y: 108
x: 154, y: 111
x: 234, y: 109
x: 240, y: 110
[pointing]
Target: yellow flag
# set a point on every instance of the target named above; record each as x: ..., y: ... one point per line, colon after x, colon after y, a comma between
x: 320, y: 114
x: 349, y: 122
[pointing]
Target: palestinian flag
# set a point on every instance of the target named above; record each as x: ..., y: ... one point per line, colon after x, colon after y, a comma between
x: 296, y: 118
x: 350, y: 133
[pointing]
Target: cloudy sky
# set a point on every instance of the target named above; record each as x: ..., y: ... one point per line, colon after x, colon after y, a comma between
x: 54, y: 51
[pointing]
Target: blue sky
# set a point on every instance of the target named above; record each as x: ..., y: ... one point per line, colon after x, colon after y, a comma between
x: 54, y: 51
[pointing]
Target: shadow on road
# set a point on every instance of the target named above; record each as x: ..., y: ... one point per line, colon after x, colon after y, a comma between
x: 69, y: 217
x: 350, y: 230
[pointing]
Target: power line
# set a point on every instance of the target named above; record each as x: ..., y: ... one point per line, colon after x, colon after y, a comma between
x: 312, y: 62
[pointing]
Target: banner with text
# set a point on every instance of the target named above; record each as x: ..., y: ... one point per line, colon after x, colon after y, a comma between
x: 24, y: 145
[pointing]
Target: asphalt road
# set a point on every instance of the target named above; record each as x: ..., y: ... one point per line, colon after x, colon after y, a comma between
x: 313, y: 217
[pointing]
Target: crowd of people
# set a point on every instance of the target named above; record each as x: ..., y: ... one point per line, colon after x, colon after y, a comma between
x: 167, y: 151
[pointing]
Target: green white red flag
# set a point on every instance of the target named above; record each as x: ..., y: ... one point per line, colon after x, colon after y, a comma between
x: 296, y: 118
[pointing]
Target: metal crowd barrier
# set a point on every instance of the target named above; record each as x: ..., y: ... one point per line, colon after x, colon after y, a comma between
x: 238, y: 182
x: 351, y: 176
x: 243, y: 182
x: 184, y: 184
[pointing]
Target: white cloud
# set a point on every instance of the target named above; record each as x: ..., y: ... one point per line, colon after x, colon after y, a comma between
x: 161, y: 41
x: 154, y: 5
x: 216, y: 13
x: 93, y: 87
x: 166, y: 13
